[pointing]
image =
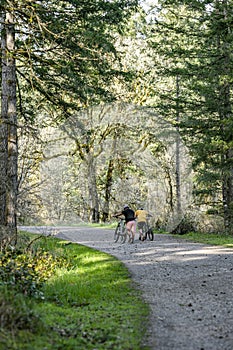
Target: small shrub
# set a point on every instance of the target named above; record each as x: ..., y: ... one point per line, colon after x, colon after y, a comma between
x: 185, y: 226
x: 26, y: 270
x: 19, y: 272
x: 16, y: 311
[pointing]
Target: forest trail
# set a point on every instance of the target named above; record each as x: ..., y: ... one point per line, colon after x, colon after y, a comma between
x: 187, y: 285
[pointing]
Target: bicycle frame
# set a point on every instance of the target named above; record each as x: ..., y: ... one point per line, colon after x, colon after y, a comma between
x: 120, y: 231
x: 147, y: 231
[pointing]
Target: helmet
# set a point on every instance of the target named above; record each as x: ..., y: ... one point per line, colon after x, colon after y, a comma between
x: 126, y: 206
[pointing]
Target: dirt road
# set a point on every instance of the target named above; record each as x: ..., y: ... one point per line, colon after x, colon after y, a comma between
x: 188, y: 286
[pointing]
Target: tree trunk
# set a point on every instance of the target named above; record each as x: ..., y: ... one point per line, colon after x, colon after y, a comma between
x: 8, y: 132
x: 108, y: 190
x: 3, y: 128
x: 227, y: 193
x: 225, y: 112
x: 178, y: 182
x: 93, y: 194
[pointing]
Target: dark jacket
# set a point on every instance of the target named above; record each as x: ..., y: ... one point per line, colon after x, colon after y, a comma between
x: 129, y: 214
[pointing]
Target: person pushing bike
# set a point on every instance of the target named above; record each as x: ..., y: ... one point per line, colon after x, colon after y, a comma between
x: 129, y: 220
x: 141, y: 216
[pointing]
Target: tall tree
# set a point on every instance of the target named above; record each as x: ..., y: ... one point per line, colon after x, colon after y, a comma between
x: 8, y: 130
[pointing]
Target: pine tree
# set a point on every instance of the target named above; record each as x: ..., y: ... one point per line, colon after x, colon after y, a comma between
x: 196, y: 44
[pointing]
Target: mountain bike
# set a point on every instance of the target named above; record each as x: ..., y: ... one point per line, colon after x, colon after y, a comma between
x: 147, y: 231
x: 120, y: 231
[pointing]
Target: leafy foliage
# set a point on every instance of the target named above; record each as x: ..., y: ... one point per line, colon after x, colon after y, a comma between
x: 26, y: 271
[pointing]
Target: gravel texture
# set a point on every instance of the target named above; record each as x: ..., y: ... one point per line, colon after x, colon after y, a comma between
x: 188, y: 286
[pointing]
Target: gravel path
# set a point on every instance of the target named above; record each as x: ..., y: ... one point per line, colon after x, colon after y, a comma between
x: 188, y: 286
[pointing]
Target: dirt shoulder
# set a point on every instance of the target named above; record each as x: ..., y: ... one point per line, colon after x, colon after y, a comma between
x: 187, y: 285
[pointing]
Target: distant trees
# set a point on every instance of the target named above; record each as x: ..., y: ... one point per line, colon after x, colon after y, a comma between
x: 192, y: 42
x: 111, y: 154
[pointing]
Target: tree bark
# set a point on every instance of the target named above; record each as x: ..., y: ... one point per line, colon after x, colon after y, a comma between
x: 227, y: 193
x: 178, y: 182
x: 3, y: 127
x: 225, y: 112
x: 8, y: 131
x: 108, y: 185
x: 92, y: 189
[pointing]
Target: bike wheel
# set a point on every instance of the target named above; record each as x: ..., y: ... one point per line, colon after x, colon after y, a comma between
x: 123, y: 234
x: 150, y: 234
x: 144, y: 232
x: 117, y: 233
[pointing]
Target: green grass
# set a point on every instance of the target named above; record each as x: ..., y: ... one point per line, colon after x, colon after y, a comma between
x: 91, y: 305
x: 222, y: 239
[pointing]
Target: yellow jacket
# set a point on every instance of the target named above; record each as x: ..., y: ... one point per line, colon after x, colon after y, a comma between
x: 141, y: 215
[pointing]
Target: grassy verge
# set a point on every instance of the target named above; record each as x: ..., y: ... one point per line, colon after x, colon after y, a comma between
x: 222, y: 239
x: 89, y: 303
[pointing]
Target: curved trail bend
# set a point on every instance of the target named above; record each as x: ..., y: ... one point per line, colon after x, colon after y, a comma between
x: 188, y: 286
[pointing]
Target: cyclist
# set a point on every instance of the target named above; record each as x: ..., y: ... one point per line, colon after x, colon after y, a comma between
x: 141, y: 216
x: 129, y: 220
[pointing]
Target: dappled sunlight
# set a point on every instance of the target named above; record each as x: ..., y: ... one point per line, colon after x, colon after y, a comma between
x: 168, y: 259
x: 208, y: 251
x: 179, y: 254
x: 153, y: 252
x: 183, y: 258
